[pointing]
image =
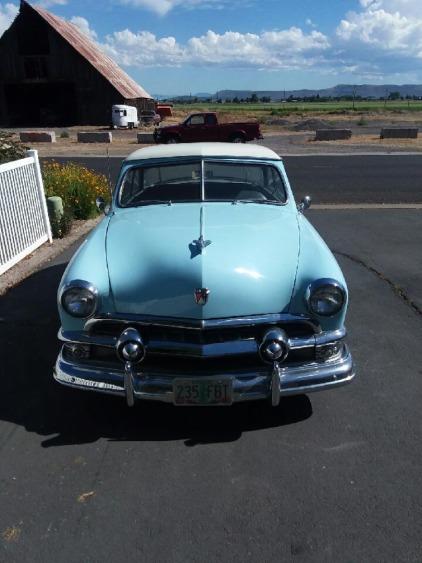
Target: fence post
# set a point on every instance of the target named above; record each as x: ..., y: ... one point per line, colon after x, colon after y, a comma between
x: 40, y: 185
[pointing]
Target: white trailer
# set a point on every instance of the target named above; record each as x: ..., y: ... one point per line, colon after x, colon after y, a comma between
x: 124, y: 116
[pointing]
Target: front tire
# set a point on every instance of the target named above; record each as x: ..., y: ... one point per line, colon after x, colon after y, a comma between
x: 237, y: 139
x: 172, y: 140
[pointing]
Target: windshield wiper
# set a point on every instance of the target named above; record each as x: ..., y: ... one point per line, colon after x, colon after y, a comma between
x: 261, y: 201
x: 152, y: 202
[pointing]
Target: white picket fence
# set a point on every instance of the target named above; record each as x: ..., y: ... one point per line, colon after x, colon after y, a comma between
x: 24, y: 223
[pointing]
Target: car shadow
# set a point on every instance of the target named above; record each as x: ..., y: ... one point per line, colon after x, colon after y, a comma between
x: 30, y: 398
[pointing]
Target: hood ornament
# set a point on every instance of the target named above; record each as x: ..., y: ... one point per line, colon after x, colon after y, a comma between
x: 197, y: 246
x: 201, y: 295
x: 201, y: 243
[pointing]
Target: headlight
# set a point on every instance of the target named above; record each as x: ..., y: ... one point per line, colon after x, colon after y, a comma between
x: 325, y: 297
x: 79, y: 299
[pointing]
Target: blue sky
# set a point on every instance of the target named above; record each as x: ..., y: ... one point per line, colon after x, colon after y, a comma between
x: 181, y: 46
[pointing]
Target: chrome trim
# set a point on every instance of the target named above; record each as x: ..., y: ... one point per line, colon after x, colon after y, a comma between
x: 304, y: 204
x: 247, y: 385
x: 82, y: 337
x: 280, y: 338
x: 202, y: 182
x: 81, y: 284
x: 321, y: 283
x: 130, y: 336
x: 203, y: 324
x: 128, y: 384
x: 330, y: 336
x: 275, y: 386
x: 216, y: 349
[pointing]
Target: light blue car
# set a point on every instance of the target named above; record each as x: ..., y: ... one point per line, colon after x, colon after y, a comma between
x: 204, y: 284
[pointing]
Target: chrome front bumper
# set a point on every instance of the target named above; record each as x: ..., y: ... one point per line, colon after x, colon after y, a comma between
x: 264, y: 383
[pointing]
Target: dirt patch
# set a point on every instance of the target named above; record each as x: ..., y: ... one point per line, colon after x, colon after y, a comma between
x: 311, y: 125
x: 293, y: 131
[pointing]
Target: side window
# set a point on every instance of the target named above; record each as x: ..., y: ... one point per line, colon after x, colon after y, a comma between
x: 196, y: 120
x: 210, y: 120
x: 125, y: 113
x: 132, y: 185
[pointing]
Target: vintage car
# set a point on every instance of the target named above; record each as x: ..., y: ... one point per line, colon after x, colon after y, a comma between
x: 204, y: 284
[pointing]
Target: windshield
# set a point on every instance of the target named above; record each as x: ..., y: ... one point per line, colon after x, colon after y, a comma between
x: 202, y: 181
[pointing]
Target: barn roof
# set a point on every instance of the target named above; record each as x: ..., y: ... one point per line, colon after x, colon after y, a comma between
x: 125, y: 85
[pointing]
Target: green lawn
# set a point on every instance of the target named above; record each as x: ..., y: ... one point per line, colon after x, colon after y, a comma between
x: 298, y: 107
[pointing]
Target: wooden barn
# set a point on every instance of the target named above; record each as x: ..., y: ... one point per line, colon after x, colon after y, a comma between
x: 51, y: 74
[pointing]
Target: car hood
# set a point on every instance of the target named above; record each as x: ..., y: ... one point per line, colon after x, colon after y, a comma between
x: 249, y: 265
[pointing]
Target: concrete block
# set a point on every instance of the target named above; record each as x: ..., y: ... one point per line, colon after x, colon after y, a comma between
x: 95, y: 137
x: 399, y: 133
x: 37, y: 136
x: 146, y: 138
x: 332, y: 134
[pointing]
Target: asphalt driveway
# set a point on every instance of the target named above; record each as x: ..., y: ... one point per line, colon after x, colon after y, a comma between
x: 326, y: 477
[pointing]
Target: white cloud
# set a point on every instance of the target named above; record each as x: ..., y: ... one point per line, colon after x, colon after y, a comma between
x: 143, y: 49
x: 83, y: 25
x: 385, y: 38
x: 49, y: 3
x: 8, y: 12
x: 404, y: 7
x: 162, y: 7
x: 286, y: 49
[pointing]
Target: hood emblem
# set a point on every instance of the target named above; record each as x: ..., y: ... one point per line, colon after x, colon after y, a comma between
x: 201, y: 295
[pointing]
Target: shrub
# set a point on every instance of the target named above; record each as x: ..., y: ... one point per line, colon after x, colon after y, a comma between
x: 78, y: 187
x: 64, y: 134
x: 62, y: 226
x: 10, y: 148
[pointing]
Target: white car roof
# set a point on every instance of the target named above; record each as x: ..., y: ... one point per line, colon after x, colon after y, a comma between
x: 226, y: 150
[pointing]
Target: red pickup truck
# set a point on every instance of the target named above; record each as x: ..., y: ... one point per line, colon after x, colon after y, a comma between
x: 205, y: 127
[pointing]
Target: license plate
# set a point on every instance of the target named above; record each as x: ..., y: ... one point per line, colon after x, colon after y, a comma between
x: 202, y: 392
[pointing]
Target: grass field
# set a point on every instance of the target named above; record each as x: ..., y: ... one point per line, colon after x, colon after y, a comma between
x: 279, y: 108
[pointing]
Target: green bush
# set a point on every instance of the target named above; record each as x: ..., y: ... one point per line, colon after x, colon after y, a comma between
x: 62, y: 226
x: 78, y: 187
x: 64, y: 134
x: 10, y: 148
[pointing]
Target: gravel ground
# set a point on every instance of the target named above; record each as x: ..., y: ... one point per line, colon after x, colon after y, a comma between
x: 293, y: 134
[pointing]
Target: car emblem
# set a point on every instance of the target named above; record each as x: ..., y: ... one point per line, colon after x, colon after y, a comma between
x: 201, y: 295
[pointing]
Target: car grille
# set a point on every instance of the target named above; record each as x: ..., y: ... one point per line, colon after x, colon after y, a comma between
x: 199, y: 336
x: 183, y: 349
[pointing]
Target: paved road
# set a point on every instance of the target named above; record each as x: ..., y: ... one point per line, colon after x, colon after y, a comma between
x: 333, y: 179
x: 326, y: 477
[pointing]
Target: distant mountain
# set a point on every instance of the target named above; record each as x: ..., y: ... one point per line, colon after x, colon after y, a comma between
x: 363, y: 90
